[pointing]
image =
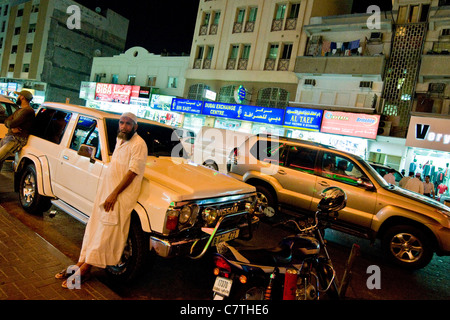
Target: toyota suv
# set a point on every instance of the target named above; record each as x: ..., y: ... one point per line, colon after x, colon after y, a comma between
x: 290, y: 174
x: 182, y: 209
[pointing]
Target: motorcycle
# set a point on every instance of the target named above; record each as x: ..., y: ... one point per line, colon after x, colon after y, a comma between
x: 293, y: 270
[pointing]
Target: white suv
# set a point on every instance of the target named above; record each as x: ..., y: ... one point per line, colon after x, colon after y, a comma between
x: 183, y: 208
x: 291, y: 174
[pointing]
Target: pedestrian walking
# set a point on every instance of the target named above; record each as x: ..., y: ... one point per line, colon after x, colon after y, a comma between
x: 389, y: 177
x: 404, y: 180
x: 107, y: 229
x: 19, y: 125
x: 428, y: 187
x: 415, y: 184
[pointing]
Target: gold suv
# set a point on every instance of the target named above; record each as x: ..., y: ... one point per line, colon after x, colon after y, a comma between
x: 291, y: 174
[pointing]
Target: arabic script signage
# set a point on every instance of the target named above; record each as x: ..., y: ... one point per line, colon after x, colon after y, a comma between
x: 244, y: 112
x: 305, y: 119
x: 186, y: 105
x: 113, y: 92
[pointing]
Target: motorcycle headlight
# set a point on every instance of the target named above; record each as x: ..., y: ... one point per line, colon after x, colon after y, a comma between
x: 209, y: 215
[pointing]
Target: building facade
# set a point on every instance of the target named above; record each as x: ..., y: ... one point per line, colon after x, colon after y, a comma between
x: 49, y: 45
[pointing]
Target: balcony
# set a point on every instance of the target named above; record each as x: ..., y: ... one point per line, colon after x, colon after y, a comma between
x: 354, y: 65
x: 435, y: 66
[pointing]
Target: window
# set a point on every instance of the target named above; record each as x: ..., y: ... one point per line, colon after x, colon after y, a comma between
x: 5, y: 10
x: 294, y: 10
x: 86, y: 132
x: 29, y: 47
x: 20, y: 12
x: 301, y: 159
x: 240, y: 16
x: 50, y: 124
x: 11, y: 67
x: 206, y: 18
x: 273, y: 97
x: 14, y: 49
x: 413, y: 13
x: 151, y: 81
x: 131, y: 79
x: 115, y: 78
x: 245, y: 51
x: 273, y: 51
x: 32, y: 28
x: 280, y: 11
x: 270, y: 151
x: 17, y: 31
x: 26, y: 67
x: 196, y: 91
x: 216, y: 17
x: 341, y: 169
x: 172, y: 83
x: 234, y: 51
x: 3, y: 26
x: 35, y: 8
x: 287, y: 50
x: 252, y: 14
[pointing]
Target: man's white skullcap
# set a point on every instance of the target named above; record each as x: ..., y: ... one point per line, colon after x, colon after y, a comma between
x: 130, y: 115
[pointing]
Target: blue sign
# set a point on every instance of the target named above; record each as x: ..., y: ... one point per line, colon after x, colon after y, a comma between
x: 244, y: 112
x: 306, y: 119
x: 186, y: 105
x: 240, y: 94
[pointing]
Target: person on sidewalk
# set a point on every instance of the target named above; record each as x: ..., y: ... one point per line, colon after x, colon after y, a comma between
x: 107, y: 229
x: 428, y: 187
x: 415, y: 184
x: 389, y: 177
x: 19, y: 125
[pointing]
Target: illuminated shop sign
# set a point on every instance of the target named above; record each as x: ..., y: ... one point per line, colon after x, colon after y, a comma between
x: 110, y: 92
x: 244, y: 112
x: 350, y: 124
x: 161, y: 102
x: 305, y: 119
x: 428, y: 133
x: 187, y: 105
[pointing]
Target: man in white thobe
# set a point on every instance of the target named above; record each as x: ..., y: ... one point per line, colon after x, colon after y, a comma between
x: 107, y: 230
x: 415, y: 184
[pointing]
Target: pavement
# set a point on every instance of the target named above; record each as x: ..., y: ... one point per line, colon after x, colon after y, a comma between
x: 28, y: 264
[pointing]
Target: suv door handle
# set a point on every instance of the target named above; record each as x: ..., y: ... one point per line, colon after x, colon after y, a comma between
x: 282, y: 172
x: 324, y: 183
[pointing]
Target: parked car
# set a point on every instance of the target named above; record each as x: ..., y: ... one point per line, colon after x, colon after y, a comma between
x: 182, y: 209
x: 291, y: 174
x: 383, y: 170
x: 7, y: 108
x: 213, y: 146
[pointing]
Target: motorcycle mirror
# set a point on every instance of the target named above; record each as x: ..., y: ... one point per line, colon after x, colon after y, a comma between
x: 333, y: 199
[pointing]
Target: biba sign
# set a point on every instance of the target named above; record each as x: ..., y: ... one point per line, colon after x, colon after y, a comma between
x: 429, y: 133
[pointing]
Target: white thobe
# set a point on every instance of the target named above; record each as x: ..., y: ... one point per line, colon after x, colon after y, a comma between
x: 414, y: 185
x: 107, y: 232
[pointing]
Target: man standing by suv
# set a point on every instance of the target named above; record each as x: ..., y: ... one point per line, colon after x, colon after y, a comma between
x: 19, y: 125
x: 107, y: 230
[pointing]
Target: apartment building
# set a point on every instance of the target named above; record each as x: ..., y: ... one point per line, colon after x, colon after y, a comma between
x: 251, y: 46
x: 48, y: 45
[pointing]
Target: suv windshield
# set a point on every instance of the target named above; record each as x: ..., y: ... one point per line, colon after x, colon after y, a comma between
x: 161, y: 141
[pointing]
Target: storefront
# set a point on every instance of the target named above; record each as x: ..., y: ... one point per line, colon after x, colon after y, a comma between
x: 428, y: 144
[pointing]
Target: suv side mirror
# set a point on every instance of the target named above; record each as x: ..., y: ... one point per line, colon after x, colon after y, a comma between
x: 87, y: 151
x: 365, y: 183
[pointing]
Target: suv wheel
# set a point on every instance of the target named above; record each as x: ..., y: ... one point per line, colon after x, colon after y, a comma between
x: 29, y: 198
x: 407, y: 246
x: 267, y: 202
x: 134, y: 255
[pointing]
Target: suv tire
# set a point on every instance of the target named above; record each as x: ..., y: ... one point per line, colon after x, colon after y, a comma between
x: 134, y: 257
x: 407, y: 246
x: 267, y: 201
x: 29, y: 198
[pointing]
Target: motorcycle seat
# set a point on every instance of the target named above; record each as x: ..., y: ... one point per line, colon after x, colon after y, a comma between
x: 276, y: 256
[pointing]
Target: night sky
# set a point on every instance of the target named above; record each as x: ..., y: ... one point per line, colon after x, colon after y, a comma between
x: 168, y: 25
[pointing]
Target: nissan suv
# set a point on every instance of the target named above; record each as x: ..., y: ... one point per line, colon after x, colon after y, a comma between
x: 182, y: 209
x: 291, y: 174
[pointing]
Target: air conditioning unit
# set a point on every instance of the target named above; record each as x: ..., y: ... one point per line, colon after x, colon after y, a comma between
x: 375, y: 36
x: 436, y: 87
x: 310, y: 82
x: 366, y: 84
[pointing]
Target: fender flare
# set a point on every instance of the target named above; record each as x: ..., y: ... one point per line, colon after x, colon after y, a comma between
x: 143, y: 217
x: 44, y: 186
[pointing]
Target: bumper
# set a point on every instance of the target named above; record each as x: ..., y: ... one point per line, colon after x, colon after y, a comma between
x: 167, y: 247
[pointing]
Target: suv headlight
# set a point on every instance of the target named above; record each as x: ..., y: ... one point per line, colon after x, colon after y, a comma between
x: 209, y: 215
x: 188, y: 213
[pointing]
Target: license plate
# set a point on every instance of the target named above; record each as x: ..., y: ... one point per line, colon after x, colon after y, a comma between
x: 225, y: 237
x: 222, y: 286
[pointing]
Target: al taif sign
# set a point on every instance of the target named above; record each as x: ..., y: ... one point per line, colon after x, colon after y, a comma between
x: 350, y: 124
x: 304, y: 119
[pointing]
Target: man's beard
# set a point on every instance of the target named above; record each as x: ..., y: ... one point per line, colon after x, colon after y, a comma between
x: 124, y: 135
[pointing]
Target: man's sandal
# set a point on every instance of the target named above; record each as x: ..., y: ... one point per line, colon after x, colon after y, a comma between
x: 62, y: 274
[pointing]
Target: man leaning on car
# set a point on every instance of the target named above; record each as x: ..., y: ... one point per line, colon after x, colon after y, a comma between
x: 19, y: 125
